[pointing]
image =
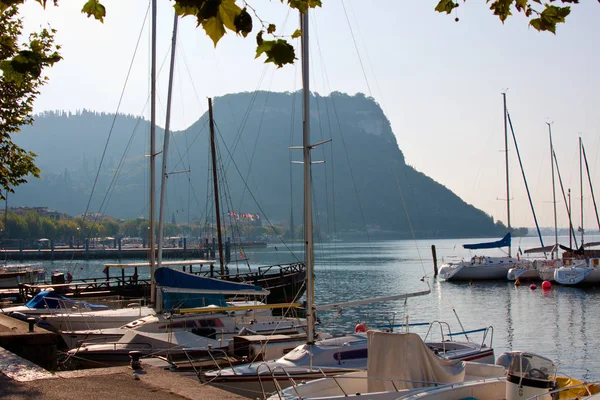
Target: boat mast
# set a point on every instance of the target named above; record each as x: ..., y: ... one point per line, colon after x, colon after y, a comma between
x: 506, y: 166
x: 555, y: 251
x: 215, y: 183
x: 581, y: 186
x: 308, y: 221
x: 587, y: 168
x: 164, y: 176
x: 152, y: 151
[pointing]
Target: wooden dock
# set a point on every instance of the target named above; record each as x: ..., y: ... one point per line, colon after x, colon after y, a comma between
x: 99, y: 253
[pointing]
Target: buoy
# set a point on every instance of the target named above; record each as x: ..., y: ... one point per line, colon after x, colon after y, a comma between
x: 360, y: 327
x: 532, y: 286
x: 517, y: 282
x: 546, y: 285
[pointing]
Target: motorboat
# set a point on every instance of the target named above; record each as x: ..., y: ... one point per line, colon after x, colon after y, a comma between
x: 173, y: 336
x: 49, y: 302
x: 529, y: 376
x: 211, y: 321
x: 400, y: 363
x: 335, y: 356
x: 11, y: 275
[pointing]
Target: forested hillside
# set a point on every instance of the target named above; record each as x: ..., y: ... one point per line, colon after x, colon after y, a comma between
x: 363, y: 185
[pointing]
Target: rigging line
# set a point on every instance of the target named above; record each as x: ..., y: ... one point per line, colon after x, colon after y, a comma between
x: 362, y: 213
x: 109, y: 195
x: 362, y: 67
x: 232, y: 162
x: 119, y: 168
x: 326, y: 84
x: 525, y: 179
x: 290, y: 159
x: 238, y: 136
x: 366, y: 50
x: 562, y: 188
x: 410, y: 225
x: 116, y: 114
x: 258, y: 130
x: 587, y: 168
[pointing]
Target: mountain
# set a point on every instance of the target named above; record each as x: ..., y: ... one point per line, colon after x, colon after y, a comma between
x: 364, y: 183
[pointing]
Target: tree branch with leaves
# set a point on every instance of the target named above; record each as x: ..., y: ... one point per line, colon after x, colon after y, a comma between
x: 21, y: 76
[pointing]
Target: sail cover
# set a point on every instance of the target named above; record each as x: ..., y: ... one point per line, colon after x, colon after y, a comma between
x: 505, y: 241
x: 183, y: 290
x: 178, y: 281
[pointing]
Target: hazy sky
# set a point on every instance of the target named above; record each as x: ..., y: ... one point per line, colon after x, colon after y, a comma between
x: 438, y: 81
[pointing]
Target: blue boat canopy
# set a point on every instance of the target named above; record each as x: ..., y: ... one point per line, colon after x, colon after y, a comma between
x: 183, y: 290
x: 50, y: 299
x: 504, y: 242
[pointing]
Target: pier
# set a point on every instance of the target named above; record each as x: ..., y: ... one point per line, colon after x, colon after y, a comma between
x: 99, y: 253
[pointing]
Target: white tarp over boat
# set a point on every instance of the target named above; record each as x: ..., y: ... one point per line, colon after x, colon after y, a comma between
x: 406, y: 357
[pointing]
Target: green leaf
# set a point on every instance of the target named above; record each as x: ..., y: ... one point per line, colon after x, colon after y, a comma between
x: 279, y: 52
x: 243, y: 23
x: 214, y: 28
x: 228, y: 11
x: 297, y: 33
x: 303, y: 5
x: 94, y: 8
x: 446, y: 6
x: 551, y: 16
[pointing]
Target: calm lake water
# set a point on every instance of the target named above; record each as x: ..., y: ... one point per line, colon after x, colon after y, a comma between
x: 562, y: 324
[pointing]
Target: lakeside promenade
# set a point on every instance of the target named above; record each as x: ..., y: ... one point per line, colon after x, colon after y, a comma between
x: 116, y: 383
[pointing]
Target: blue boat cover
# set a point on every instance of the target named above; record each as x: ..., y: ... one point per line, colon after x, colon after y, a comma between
x: 51, y: 299
x: 169, y: 277
x: 183, y: 290
x: 505, y: 241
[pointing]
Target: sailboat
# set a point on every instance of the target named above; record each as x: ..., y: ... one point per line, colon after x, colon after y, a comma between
x: 484, y: 267
x: 586, y: 271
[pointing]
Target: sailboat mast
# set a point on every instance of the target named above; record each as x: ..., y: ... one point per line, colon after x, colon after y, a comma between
x: 553, y: 190
x: 308, y: 221
x: 581, y: 186
x: 506, y: 166
x: 152, y: 151
x: 163, y: 183
x: 213, y: 152
x: 587, y: 169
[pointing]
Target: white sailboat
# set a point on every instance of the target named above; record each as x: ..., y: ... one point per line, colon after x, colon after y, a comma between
x: 484, y: 267
x: 587, y: 270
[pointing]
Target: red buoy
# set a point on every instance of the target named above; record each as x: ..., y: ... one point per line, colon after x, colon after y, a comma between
x: 546, y: 285
x: 532, y: 286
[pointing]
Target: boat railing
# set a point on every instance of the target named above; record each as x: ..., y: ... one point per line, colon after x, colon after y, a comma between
x: 276, y: 383
x: 211, y: 353
x: 486, y: 331
x: 76, y: 288
x: 488, y: 334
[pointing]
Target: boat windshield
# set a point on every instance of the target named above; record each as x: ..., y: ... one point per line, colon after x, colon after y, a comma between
x: 528, y: 365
